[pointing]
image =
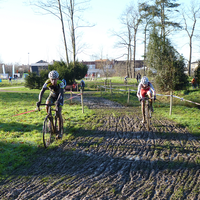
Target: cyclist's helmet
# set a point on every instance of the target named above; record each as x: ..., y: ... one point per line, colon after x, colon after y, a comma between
x: 144, y: 80
x: 53, y: 74
x: 65, y: 83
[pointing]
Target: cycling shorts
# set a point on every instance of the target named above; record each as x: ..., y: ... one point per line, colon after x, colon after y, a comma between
x: 52, y: 98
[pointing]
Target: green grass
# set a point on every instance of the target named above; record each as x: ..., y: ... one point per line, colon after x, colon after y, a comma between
x: 21, y: 135
x: 14, y: 83
x: 184, y: 113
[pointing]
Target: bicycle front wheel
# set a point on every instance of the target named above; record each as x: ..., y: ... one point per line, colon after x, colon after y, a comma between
x: 47, y: 132
x: 147, y: 113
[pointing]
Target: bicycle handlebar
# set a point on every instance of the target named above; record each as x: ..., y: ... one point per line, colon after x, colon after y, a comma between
x: 44, y: 104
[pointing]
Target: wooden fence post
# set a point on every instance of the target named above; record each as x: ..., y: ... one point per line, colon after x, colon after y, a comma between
x: 128, y: 100
x: 82, y: 101
x: 71, y: 94
x: 110, y: 87
x: 171, y: 101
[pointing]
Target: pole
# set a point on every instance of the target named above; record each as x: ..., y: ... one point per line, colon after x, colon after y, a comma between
x: 128, y: 96
x: 82, y: 101
x: 171, y: 101
x: 110, y: 87
x: 71, y: 94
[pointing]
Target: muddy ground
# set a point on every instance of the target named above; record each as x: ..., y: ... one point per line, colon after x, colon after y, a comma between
x: 118, y: 160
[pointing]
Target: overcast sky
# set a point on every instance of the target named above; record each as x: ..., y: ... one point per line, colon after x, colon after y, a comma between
x: 27, y: 37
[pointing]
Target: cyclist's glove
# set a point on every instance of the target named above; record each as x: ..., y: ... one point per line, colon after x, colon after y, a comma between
x: 38, y: 104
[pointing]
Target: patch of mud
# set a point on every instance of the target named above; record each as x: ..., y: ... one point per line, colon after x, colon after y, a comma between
x: 118, y: 160
x: 95, y: 102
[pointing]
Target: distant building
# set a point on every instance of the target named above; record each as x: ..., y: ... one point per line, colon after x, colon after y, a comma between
x: 105, y: 66
x: 194, y: 66
x: 38, y: 66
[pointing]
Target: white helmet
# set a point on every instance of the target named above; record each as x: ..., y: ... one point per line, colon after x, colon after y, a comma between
x: 53, y: 74
x: 144, y: 80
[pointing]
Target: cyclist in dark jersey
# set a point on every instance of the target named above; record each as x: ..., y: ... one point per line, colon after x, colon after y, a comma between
x: 56, y: 88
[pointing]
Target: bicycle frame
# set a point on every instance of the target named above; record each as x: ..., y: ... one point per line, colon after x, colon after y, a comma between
x: 51, y: 118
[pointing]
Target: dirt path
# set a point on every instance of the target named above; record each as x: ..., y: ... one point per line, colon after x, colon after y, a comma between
x: 118, y: 160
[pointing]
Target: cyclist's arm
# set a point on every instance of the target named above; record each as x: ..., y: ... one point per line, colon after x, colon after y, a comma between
x: 41, y: 94
x: 152, y: 88
x: 44, y: 88
x: 60, y: 98
x: 138, y: 91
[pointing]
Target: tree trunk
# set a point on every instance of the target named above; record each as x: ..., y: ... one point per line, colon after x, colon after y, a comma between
x: 73, y: 30
x: 63, y: 30
x: 134, y: 50
x: 190, y: 57
x: 145, y: 44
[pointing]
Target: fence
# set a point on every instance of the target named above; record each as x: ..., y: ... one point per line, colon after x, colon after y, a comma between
x: 128, y: 90
x: 111, y: 87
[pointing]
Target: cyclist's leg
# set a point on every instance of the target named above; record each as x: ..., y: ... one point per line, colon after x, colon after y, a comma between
x: 149, y: 93
x: 60, y: 121
x: 143, y: 110
x: 49, y: 100
x: 142, y: 99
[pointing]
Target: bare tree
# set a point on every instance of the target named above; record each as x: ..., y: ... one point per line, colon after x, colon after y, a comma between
x: 70, y: 11
x: 136, y: 20
x: 147, y: 13
x: 130, y: 20
x: 124, y: 41
x: 190, y: 17
x: 53, y: 7
x: 74, y: 9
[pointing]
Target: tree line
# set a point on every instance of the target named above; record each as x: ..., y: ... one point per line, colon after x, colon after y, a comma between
x: 159, y: 20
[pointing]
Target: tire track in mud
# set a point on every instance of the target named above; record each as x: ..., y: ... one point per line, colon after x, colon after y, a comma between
x: 119, y: 160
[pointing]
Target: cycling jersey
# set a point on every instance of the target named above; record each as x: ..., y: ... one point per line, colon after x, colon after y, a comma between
x: 56, y: 93
x: 142, y: 91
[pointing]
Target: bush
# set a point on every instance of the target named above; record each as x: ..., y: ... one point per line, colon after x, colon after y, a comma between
x: 69, y: 73
x: 197, y: 73
x: 32, y: 81
x: 168, y: 64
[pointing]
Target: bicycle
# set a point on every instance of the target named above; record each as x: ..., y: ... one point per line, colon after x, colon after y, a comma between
x: 148, y: 111
x: 50, y: 129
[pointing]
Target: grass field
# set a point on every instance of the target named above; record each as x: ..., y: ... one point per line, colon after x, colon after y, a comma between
x: 183, y: 112
x: 21, y: 135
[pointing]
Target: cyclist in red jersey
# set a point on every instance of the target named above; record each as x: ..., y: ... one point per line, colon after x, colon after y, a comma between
x: 145, y: 88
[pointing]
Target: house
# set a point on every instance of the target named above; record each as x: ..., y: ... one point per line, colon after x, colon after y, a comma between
x: 38, y: 66
x: 105, y: 67
x: 98, y: 68
x: 194, y: 66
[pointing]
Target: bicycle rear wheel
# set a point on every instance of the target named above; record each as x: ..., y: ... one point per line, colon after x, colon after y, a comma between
x: 47, y: 132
